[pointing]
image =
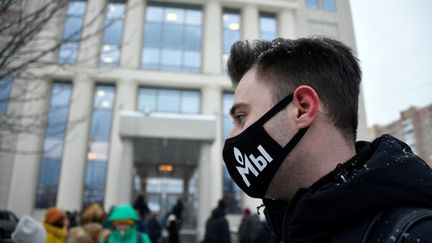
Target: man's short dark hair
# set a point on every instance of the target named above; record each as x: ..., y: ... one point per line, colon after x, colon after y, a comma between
x: 326, y: 65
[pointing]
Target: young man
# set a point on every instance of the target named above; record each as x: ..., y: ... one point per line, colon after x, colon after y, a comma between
x: 293, y: 145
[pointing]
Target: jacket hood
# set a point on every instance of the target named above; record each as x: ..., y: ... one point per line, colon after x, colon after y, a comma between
x: 121, y: 212
x: 384, y: 174
x: 29, y: 231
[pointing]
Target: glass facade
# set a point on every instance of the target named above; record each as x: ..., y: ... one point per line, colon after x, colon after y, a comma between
x: 5, y: 88
x: 99, y: 141
x: 168, y: 100
x: 329, y: 5
x: 113, y: 32
x: 68, y: 51
x: 231, y: 192
x: 172, y: 38
x: 268, y: 26
x: 312, y: 4
x: 50, y: 165
x: 231, y: 32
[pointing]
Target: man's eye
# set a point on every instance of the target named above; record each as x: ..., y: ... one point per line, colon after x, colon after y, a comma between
x: 239, y: 118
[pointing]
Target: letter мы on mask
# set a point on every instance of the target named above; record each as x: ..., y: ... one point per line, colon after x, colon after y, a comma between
x: 253, y: 157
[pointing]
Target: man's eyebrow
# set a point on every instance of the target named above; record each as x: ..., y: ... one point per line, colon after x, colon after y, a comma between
x: 235, y: 107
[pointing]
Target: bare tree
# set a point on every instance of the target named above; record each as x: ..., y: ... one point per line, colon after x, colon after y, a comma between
x: 22, y: 26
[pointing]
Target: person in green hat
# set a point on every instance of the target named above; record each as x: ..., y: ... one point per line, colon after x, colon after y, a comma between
x: 123, y: 219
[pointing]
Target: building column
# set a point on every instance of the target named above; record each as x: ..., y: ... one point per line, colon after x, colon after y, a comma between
x: 250, y: 20
x: 93, y: 28
x: 47, y: 38
x: 132, y: 35
x: 212, y: 47
x: 210, y: 164
x: 118, y: 187
x: 25, y: 173
x: 185, y: 191
x: 209, y: 189
x: 287, y: 24
x: 125, y: 173
x: 74, y: 162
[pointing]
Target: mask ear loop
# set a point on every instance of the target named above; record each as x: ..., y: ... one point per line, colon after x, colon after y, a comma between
x: 293, y: 142
x: 275, y: 109
x: 259, y: 207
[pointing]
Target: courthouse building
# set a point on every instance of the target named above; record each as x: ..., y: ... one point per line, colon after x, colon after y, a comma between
x: 137, y: 102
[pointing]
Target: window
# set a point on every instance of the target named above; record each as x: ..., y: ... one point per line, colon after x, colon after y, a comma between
x: 407, y: 125
x: 408, y: 135
x: 172, y: 38
x: 5, y: 88
x: 169, y: 101
x: 323, y: 29
x: 231, y: 192
x: 68, y: 51
x: 329, y: 5
x: 312, y: 4
x: 50, y: 165
x: 99, y: 140
x: 231, y: 32
x: 268, y: 26
x: 112, y: 37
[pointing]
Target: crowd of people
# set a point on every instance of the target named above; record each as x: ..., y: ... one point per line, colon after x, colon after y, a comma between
x: 93, y: 226
x: 251, y: 228
x: 132, y: 223
x: 123, y: 223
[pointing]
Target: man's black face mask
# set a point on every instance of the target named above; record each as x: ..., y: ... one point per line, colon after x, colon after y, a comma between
x: 253, y: 157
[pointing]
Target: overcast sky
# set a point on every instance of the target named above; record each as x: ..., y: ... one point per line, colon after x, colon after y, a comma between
x: 394, y: 43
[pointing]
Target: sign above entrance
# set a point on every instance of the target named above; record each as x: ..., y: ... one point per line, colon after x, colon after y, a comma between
x: 166, y: 168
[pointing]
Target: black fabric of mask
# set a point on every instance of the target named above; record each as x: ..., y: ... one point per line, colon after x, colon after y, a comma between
x: 253, y: 157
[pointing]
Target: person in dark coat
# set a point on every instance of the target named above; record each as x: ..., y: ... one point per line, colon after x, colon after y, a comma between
x: 173, y: 227
x: 141, y: 206
x: 217, y: 226
x: 293, y: 144
x: 248, y: 227
x: 154, y: 228
x: 178, y: 212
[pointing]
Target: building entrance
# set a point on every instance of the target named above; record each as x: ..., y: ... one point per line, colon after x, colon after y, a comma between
x: 173, y: 157
x: 164, y: 193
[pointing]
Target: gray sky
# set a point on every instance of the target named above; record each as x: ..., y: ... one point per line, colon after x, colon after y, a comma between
x: 394, y: 43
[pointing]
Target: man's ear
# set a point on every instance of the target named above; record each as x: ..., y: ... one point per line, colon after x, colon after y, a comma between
x: 307, y: 103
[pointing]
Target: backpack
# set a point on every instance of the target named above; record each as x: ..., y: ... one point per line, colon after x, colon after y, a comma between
x: 394, y: 225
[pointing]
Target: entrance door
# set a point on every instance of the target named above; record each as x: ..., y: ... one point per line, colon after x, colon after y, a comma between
x: 163, y: 193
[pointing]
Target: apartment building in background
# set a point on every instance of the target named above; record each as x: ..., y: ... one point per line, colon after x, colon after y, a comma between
x: 414, y: 127
x: 137, y: 102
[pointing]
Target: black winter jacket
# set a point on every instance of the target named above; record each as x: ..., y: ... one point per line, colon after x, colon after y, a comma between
x: 340, y: 206
x: 217, y: 228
